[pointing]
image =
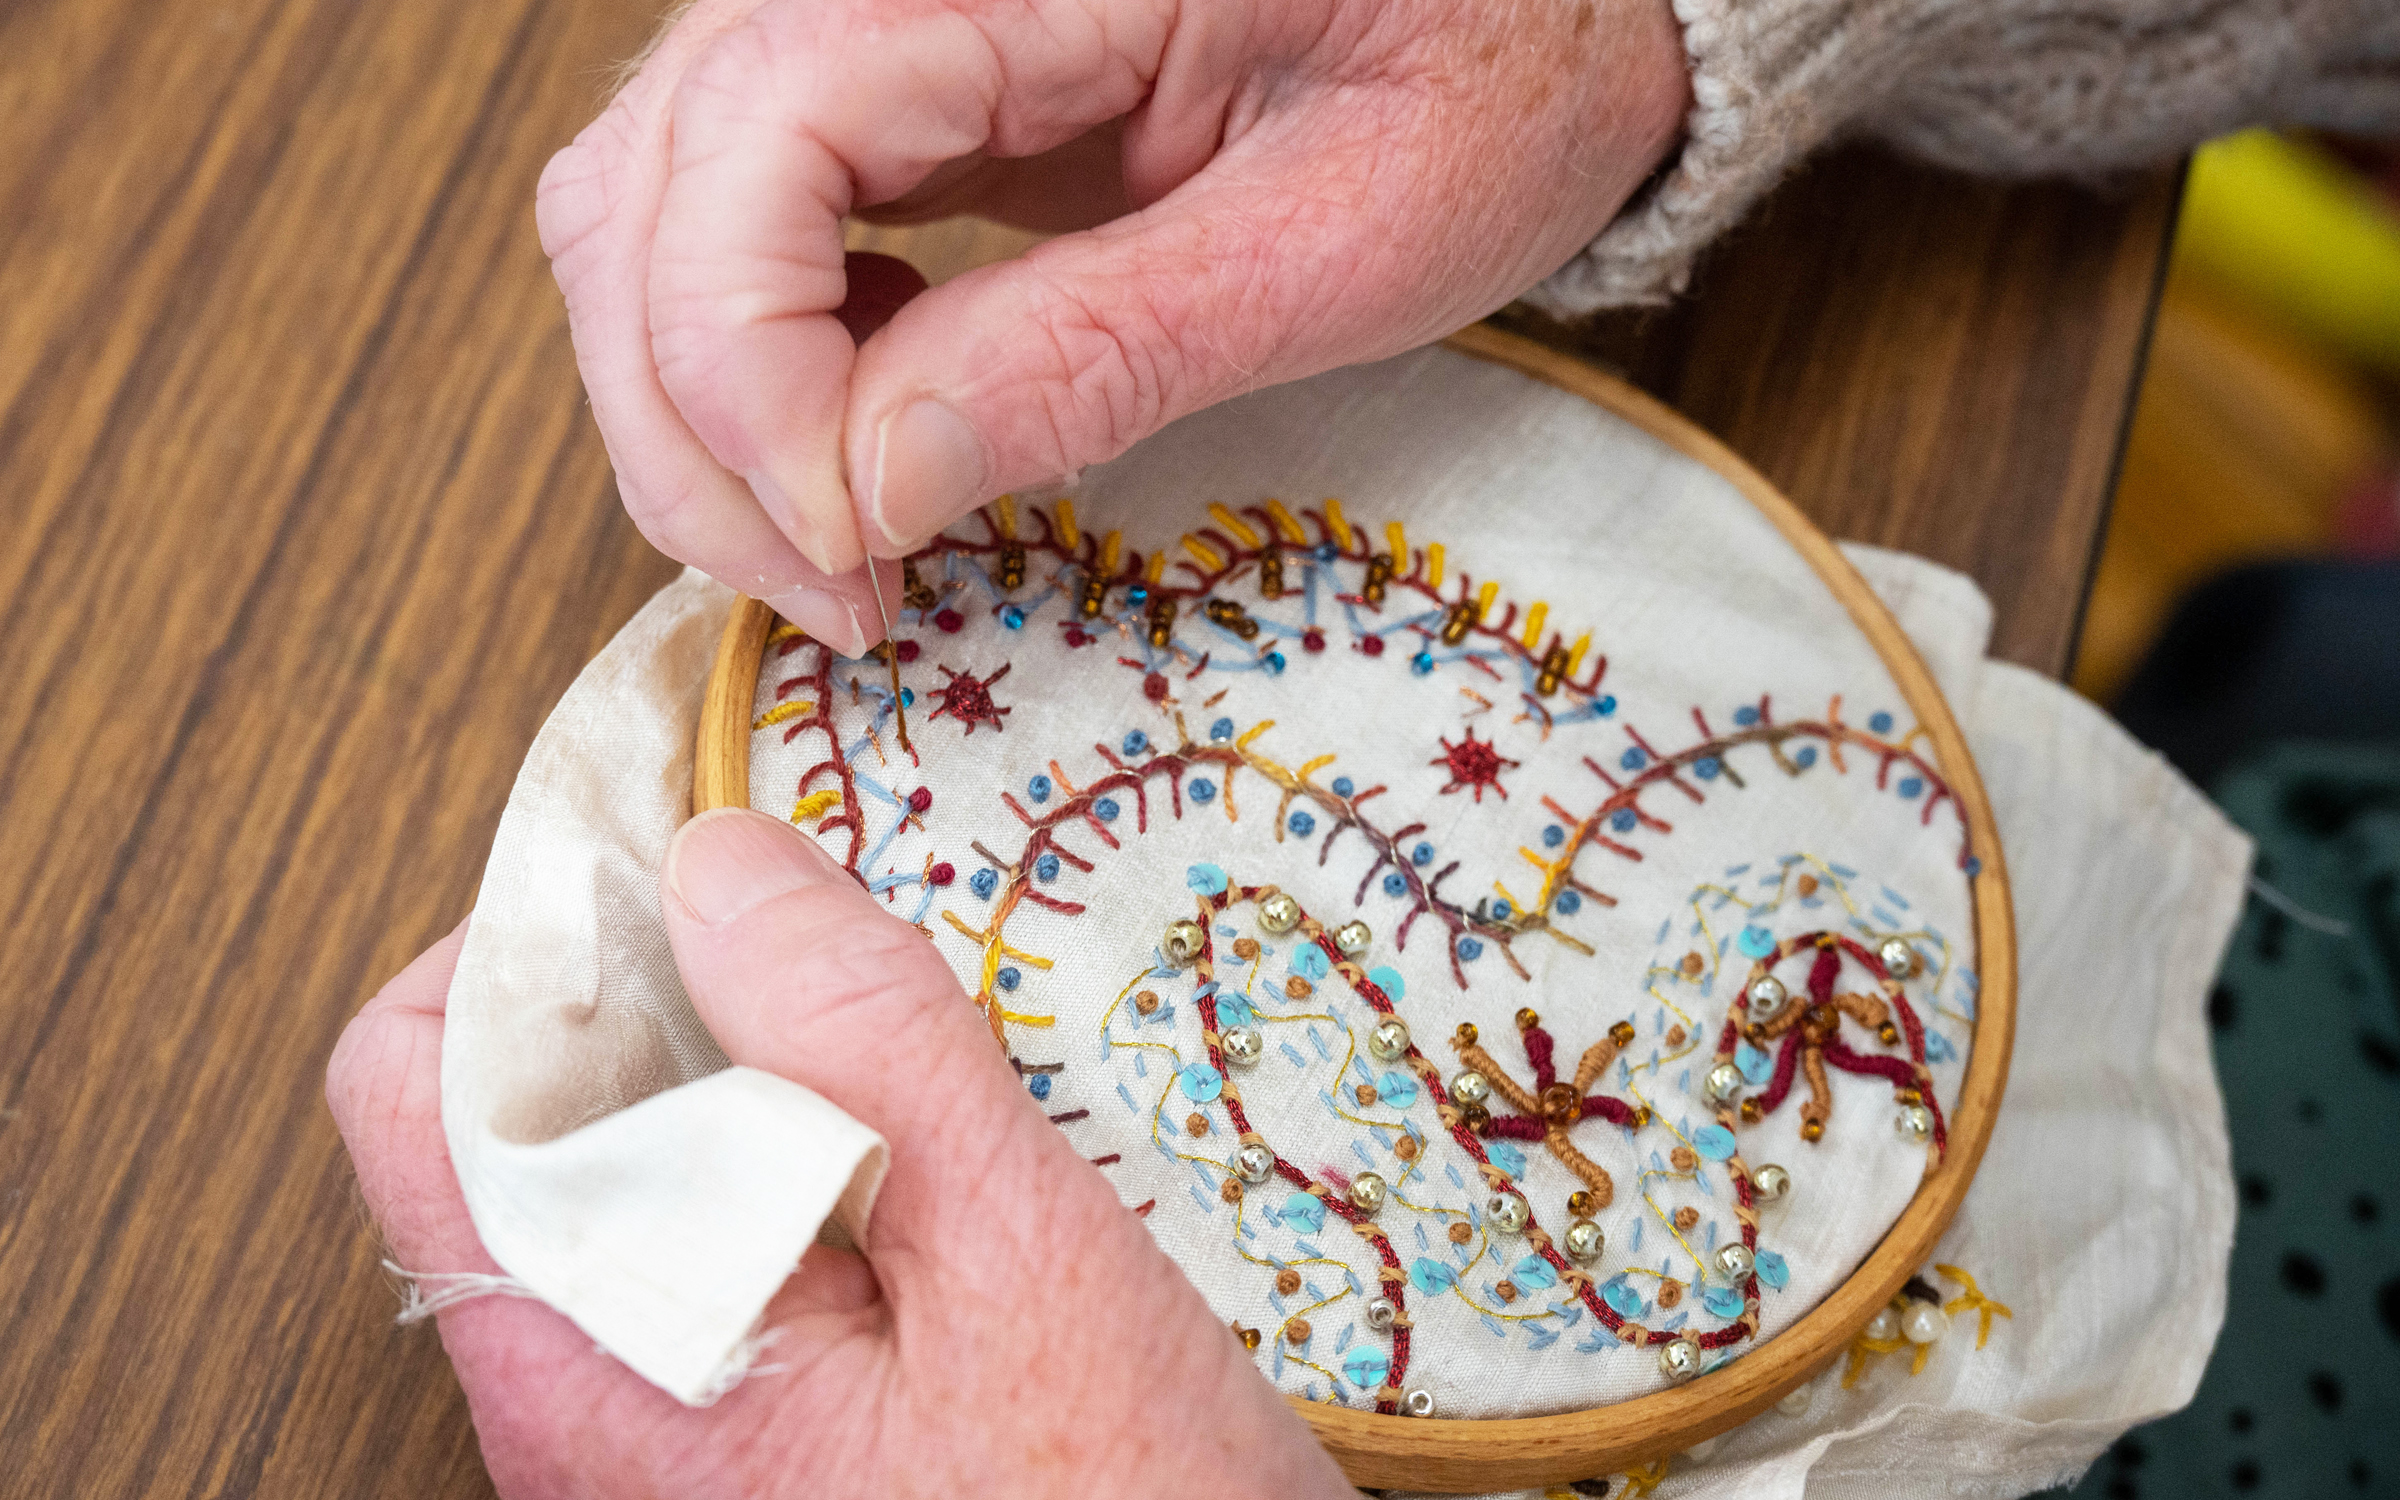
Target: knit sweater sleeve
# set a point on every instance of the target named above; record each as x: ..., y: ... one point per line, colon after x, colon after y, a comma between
x: 1998, y: 86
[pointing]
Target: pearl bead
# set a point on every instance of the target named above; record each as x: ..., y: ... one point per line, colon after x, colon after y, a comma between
x: 1507, y: 1210
x: 1381, y: 1313
x: 1367, y: 1192
x: 1795, y: 1402
x: 1915, y: 1124
x: 1353, y: 938
x: 1883, y: 1327
x: 1699, y: 1451
x: 1735, y: 1262
x: 1585, y: 1242
x: 1254, y: 1163
x: 1184, y: 942
x: 1243, y: 1046
x: 1470, y: 1087
x: 1724, y: 1081
x: 1418, y: 1402
x: 1679, y: 1359
x: 1769, y: 1183
x: 1279, y: 913
x: 1389, y: 1040
x: 1766, y: 996
x: 1923, y: 1323
x: 1899, y: 959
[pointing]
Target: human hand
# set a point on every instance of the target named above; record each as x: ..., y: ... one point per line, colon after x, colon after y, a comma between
x: 1278, y: 187
x: 1015, y: 1333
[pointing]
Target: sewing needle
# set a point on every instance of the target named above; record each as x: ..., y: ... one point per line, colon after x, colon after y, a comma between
x: 891, y: 655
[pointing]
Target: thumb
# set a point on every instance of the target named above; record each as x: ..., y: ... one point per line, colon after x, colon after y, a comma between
x: 797, y: 970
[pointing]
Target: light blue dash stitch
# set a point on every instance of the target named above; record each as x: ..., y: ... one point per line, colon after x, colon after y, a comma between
x: 1306, y: 1248
x: 1569, y: 1314
x: 1772, y: 1270
x: 1714, y: 1142
x: 1207, y: 1201
x: 1399, y: 1090
x: 1208, y: 880
x: 1600, y: 1339
x: 1292, y: 1052
x: 1884, y: 917
x: 1141, y: 1065
x: 1534, y: 1274
x: 1227, y: 929
x: 1676, y: 1322
x: 1658, y: 1019
x: 1895, y: 898
x: 1365, y: 1366
x: 1637, y: 1232
x: 1388, y: 980
x: 1279, y: 1359
x: 1938, y: 1048
x: 1248, y: 1233
x: 1275, y: 1300
x: 1733, y: 870
x: 1126, y: 1094
x: 1721, y: 1301
x: 1343, y: 1342
x: 1499, y: 1329
x: 1424, y: 1242
x: 1304, y: 1212
x: 1843, y: 871
x: 1456, y: 1181
x: 1431, y: 1277
x: 1665, y: 928
x: 1538, y: 1337
x: 1658, y: 1163
x: 1310, y: 1288
x: 1711, y: 1242
x: 1360, y: 1152
x: 1159, y: 1144
x: 1324, y: 1053
x: 1352, y: 1277
x: 1756, y: 1063
x: 1507, y: 1158
x: 1702, y: 1179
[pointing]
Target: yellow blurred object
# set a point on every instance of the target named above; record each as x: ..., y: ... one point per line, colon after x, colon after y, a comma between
x: 2244, y: 440
x: 2299, y: 236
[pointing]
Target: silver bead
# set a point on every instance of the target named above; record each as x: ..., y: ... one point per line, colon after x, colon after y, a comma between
x: 1769, y: 1183
x: 1915, y: 1124
x: 1470, y: 1087
x: 1389, y: 1040
x: 1184, y: 942
x: 1765, y: 997
x: 1367, y: 1192
x: 1795, y: 1401
x: 1923, y: 1323
x: 1279, y: 913
x: 1735, y: 1262
x: 1883, y: 1327
x: 1899, y: 959
x: 1507, y: 1209
x: 1381, y: 1314
x: 1679, y: 1359
x: 1353, y: 938
x: 1243, y: 1046
x: 1585, y: 1242
x: 1254, y: 1163
x: 1723, y: 1082
x: 1418, y: 1402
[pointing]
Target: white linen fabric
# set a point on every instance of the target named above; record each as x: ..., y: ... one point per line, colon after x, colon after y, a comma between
x: 619, y: 1170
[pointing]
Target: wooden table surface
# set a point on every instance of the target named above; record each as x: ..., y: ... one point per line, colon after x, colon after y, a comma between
x: 304, y: 526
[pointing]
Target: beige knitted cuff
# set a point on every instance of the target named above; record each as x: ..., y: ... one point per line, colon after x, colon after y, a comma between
x: 1741, y: 136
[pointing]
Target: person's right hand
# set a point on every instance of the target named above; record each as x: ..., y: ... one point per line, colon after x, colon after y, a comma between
x: 1278, y: 187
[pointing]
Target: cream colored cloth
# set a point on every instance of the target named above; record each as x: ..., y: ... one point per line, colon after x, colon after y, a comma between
x: 2103, y: 1214
x: 2002, y: 86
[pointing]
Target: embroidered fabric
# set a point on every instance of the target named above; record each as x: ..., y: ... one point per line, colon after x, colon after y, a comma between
x: 1568, y: 836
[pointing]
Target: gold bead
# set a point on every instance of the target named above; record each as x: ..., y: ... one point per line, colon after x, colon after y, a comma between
x: 1812, y: 1130
x: 1751, y: 1113
x: 1888, y: 1034
x: 1621, y: 1033
x: 1580, y: 1203
x: 1250, y: 1337
x: 1527, y: 1019
x: 1561, y: 1105
x: 1466, y: 1033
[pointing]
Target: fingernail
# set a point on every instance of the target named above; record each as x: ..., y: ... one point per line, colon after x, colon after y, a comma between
x: 930, y: 469
x: 729, y: 859
x: 828, y: 616
x: 819, y: 545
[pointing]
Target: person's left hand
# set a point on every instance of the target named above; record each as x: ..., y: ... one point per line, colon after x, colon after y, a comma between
x: 1016, y: 1331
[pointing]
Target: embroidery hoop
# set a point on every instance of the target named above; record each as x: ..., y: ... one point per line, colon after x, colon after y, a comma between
x: 1467, y: 1456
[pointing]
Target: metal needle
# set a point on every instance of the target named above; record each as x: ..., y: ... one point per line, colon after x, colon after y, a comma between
x: 891, y: 655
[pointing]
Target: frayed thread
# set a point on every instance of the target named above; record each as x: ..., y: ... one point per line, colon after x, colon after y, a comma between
x: 424, y: 1293
x: 742, y: 1363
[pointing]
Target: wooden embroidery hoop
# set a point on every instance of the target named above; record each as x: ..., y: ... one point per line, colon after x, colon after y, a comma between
x: 1468, y: 1456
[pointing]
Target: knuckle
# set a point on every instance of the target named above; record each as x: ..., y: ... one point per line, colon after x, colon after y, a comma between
x: 581, y: 189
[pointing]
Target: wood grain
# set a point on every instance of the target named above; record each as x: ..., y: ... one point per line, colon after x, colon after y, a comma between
x: 304, y: 527
x: 1467, y: 1457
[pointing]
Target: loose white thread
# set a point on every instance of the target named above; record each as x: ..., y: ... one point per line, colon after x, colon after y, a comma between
x: 741, y: 1363
x: 2298, y: 913
x: 424, y: 1293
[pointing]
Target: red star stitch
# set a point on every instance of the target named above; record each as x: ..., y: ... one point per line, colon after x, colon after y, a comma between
x: 969, y: 700
x: 1474, y: 765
